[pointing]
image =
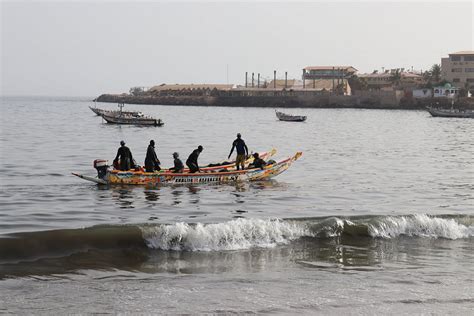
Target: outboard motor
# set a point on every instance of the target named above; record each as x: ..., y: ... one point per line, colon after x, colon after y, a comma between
x: 101, y: 166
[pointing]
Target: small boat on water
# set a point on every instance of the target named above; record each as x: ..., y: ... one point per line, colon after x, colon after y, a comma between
x: 127, y: 117
x: 100, y: 112
x: 442, y: 112
x: 290, y: 118
x: 222, y: 175
x: 132, y: 120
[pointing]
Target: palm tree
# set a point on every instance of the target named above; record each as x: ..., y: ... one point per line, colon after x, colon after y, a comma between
x: 357, y: 83
x: 435, y: 73
x: 396, y: 77
x: 427, y: 76
x: 463, y: 92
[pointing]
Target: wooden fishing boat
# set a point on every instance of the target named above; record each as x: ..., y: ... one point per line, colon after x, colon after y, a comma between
x: 100, y: 112
x: 102, y: 167
x: 290, y: 118
x: 440, y: 112
x: 132, y: 120
x: 153, y: 178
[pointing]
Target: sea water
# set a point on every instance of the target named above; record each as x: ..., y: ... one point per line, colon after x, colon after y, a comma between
x: 377, y: 216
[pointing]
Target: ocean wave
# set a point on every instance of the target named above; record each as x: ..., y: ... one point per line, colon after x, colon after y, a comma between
x: 420, y: 226
x: 249, y: 233
x: 235, y: 234
x: 232, y: 235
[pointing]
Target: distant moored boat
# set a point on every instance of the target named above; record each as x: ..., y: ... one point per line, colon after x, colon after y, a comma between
x: 99, y: 112
x: 132, y: 120
x: 439, y: 112
x: 290, y: 118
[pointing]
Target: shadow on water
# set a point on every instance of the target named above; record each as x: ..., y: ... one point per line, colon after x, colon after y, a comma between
x: 339, y: 254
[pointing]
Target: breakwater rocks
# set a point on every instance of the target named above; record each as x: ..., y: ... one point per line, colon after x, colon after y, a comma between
x: 367, y: 100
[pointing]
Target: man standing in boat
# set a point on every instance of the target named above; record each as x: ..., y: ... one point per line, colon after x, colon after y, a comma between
x: 192, y: 161
x: 152, y: 162
x: 125, y: 155
x: 242, y: 151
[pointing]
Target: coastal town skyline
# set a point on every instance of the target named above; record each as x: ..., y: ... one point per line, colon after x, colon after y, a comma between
x: 69, y: 53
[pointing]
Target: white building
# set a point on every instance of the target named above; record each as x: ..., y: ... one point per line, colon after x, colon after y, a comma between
x: 422, y: 93
x: 447, y: 91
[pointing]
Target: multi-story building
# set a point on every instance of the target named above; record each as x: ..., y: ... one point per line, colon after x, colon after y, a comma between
x: 458, y: 69
x: 332, y: 78
x: 377, y: 81
x: 384, y: 81
x: 328, y: 72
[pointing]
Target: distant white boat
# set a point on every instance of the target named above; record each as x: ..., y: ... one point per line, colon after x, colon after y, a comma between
x: 132, y: 120
x: 100, y: 112
x: 290, y: 118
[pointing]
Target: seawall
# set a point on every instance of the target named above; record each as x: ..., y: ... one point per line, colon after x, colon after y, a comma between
x: 365, y: 99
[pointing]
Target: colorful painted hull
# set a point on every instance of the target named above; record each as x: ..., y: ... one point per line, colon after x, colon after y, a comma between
x: 155, y: 178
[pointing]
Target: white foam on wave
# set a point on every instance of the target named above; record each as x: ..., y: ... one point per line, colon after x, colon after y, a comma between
x: 420, y: 226
x: 233, y: 235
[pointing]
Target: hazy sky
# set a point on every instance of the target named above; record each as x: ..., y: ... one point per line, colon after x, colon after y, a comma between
x: 87, y: 48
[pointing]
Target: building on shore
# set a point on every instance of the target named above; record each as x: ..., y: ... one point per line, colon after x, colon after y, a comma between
x: 446, y: 91
x: 189, y: 89
x: 458, y: 69
x: 321, y: 85
x: 422, y: 93
x: 377, y: 81
x: 336, y: 76
x: 387, y: 80
x: 328, y: 72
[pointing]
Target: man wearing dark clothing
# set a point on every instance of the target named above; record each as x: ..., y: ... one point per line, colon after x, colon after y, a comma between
x: 192, y: 161
x: 178, y: 164
x: 125, y: 155
x: 242, y: 151
x: 257, y: 162
x: 152, y: 162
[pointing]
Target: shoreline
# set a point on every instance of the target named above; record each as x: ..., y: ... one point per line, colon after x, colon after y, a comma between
x: 361, y: 101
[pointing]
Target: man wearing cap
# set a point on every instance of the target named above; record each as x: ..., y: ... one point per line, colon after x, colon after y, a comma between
x: 126, y: 159
x: 192, y: 161
x: 242, y: 151
x: 152, y: 162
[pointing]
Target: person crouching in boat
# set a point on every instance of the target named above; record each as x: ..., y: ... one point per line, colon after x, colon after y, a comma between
x: 192, y: 161
x: 257, y: 162
x: 152, y: 162
x: 242, y: 151
x: 178, y: 164
x: 125, y: 155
